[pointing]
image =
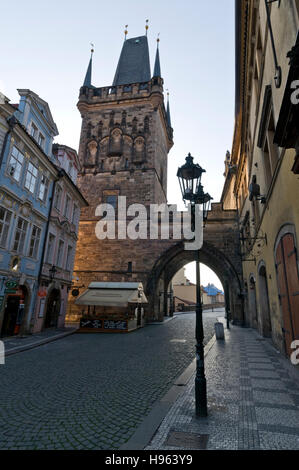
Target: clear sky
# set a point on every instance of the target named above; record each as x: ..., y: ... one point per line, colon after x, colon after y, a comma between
x: 45, y: 46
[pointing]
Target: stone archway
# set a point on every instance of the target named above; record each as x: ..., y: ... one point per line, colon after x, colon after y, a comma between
x: 173, y: 259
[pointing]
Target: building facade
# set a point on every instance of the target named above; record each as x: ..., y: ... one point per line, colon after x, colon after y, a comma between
x: 262, y: 169
x: 27, y: 177
x: 56, y: 277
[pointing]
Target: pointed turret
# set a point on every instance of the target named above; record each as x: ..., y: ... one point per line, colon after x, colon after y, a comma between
x: 168, y: 111
x: 87, y: 81
x: 134, y: 64
x: 157, y: 68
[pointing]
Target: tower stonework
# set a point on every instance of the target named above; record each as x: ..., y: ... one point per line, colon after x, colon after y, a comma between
x: 125, y: 139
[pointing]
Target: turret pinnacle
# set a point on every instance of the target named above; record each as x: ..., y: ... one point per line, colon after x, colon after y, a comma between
x: 157, y: 68
x: 87, y: 81
x: 168, y: 111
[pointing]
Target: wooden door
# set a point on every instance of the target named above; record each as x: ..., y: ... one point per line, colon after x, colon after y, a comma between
x: 288, y: 286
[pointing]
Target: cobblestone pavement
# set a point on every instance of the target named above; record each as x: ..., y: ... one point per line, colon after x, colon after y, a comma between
x: 90, y: 391
x: 253, y: 400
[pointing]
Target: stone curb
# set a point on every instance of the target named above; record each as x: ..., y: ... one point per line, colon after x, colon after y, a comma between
x: 146, y: 430
x: 26, y: 347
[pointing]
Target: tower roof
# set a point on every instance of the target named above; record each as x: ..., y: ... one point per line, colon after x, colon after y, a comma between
x: 134, y: 64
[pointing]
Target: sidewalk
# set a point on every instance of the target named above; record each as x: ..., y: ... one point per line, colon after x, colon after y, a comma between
x: 16, y: 344
x: 253, y: 400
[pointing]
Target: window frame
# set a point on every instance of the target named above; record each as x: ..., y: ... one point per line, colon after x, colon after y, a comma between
x: 50, y: 251
x: 32, y: 177
x: 19, y: 164
x: 58, y: 190
x: 60, y: 254
x: 5, y: 224
x: 37, y: 239
x: 24, y: 233
x: 46, y: 188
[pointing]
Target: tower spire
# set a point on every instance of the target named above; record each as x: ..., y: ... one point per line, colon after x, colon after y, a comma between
x: 168, y: 110
x: 87, y: 81
x: 157, y: 68
x: 146, y: 27
x: 126, y: 31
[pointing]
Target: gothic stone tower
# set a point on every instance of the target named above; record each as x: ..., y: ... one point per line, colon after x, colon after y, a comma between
x: 125, y: 139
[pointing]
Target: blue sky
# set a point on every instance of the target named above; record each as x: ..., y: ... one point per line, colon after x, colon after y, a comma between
x: 45, y: 46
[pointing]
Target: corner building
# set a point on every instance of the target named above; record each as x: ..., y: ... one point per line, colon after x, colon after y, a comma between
x: 125, y: 139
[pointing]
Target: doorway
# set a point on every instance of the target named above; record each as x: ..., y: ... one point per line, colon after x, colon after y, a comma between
x: 14, y: 312
x: 53, y: 309
x: 288, y: 288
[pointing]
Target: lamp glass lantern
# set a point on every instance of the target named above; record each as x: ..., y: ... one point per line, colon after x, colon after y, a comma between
x: 189, y: 176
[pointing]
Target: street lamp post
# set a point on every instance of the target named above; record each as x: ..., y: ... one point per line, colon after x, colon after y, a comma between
x: 192, y: 191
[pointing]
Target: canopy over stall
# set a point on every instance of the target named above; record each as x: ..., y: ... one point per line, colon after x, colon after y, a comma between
x: 113, y: 294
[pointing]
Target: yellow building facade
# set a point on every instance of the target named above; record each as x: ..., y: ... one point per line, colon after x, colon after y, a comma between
x: 261, y: 173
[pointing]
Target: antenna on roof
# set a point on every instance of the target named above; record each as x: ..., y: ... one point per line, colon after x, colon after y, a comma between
x: 146, y: 27
x: 126, y: 31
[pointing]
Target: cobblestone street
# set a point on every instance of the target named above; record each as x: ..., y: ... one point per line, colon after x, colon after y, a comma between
x: 91, y: 391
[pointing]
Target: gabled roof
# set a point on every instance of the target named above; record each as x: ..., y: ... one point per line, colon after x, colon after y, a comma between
x: 134, y: 64
x: 41, y: 105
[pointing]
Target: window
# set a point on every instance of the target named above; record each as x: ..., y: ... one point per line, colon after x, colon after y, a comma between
x: 43, y: 188
x: 57, y: 200
x: 31, y: 177
x: 60, y: 253
x: 69, y: 258
x: 15, y: 164
x: 70, y: 169
x: 75, y: 214
x: 20, y: 235
x: 5, y: 218
x: 50, y: 248
x: 33, y: 131
x: 34, y: 242
x: 41, y: 140
x: 67, y: 206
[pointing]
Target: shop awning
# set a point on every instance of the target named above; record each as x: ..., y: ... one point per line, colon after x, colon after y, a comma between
x: 112, y: 294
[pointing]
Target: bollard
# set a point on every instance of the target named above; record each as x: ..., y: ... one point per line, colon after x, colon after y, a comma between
x: 219, y: 330
x: 2, y: 353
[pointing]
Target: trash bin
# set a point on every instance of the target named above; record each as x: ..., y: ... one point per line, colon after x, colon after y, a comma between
x: 219, y: 330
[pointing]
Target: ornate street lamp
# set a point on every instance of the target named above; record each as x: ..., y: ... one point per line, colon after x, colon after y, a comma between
x: 192, y: 191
